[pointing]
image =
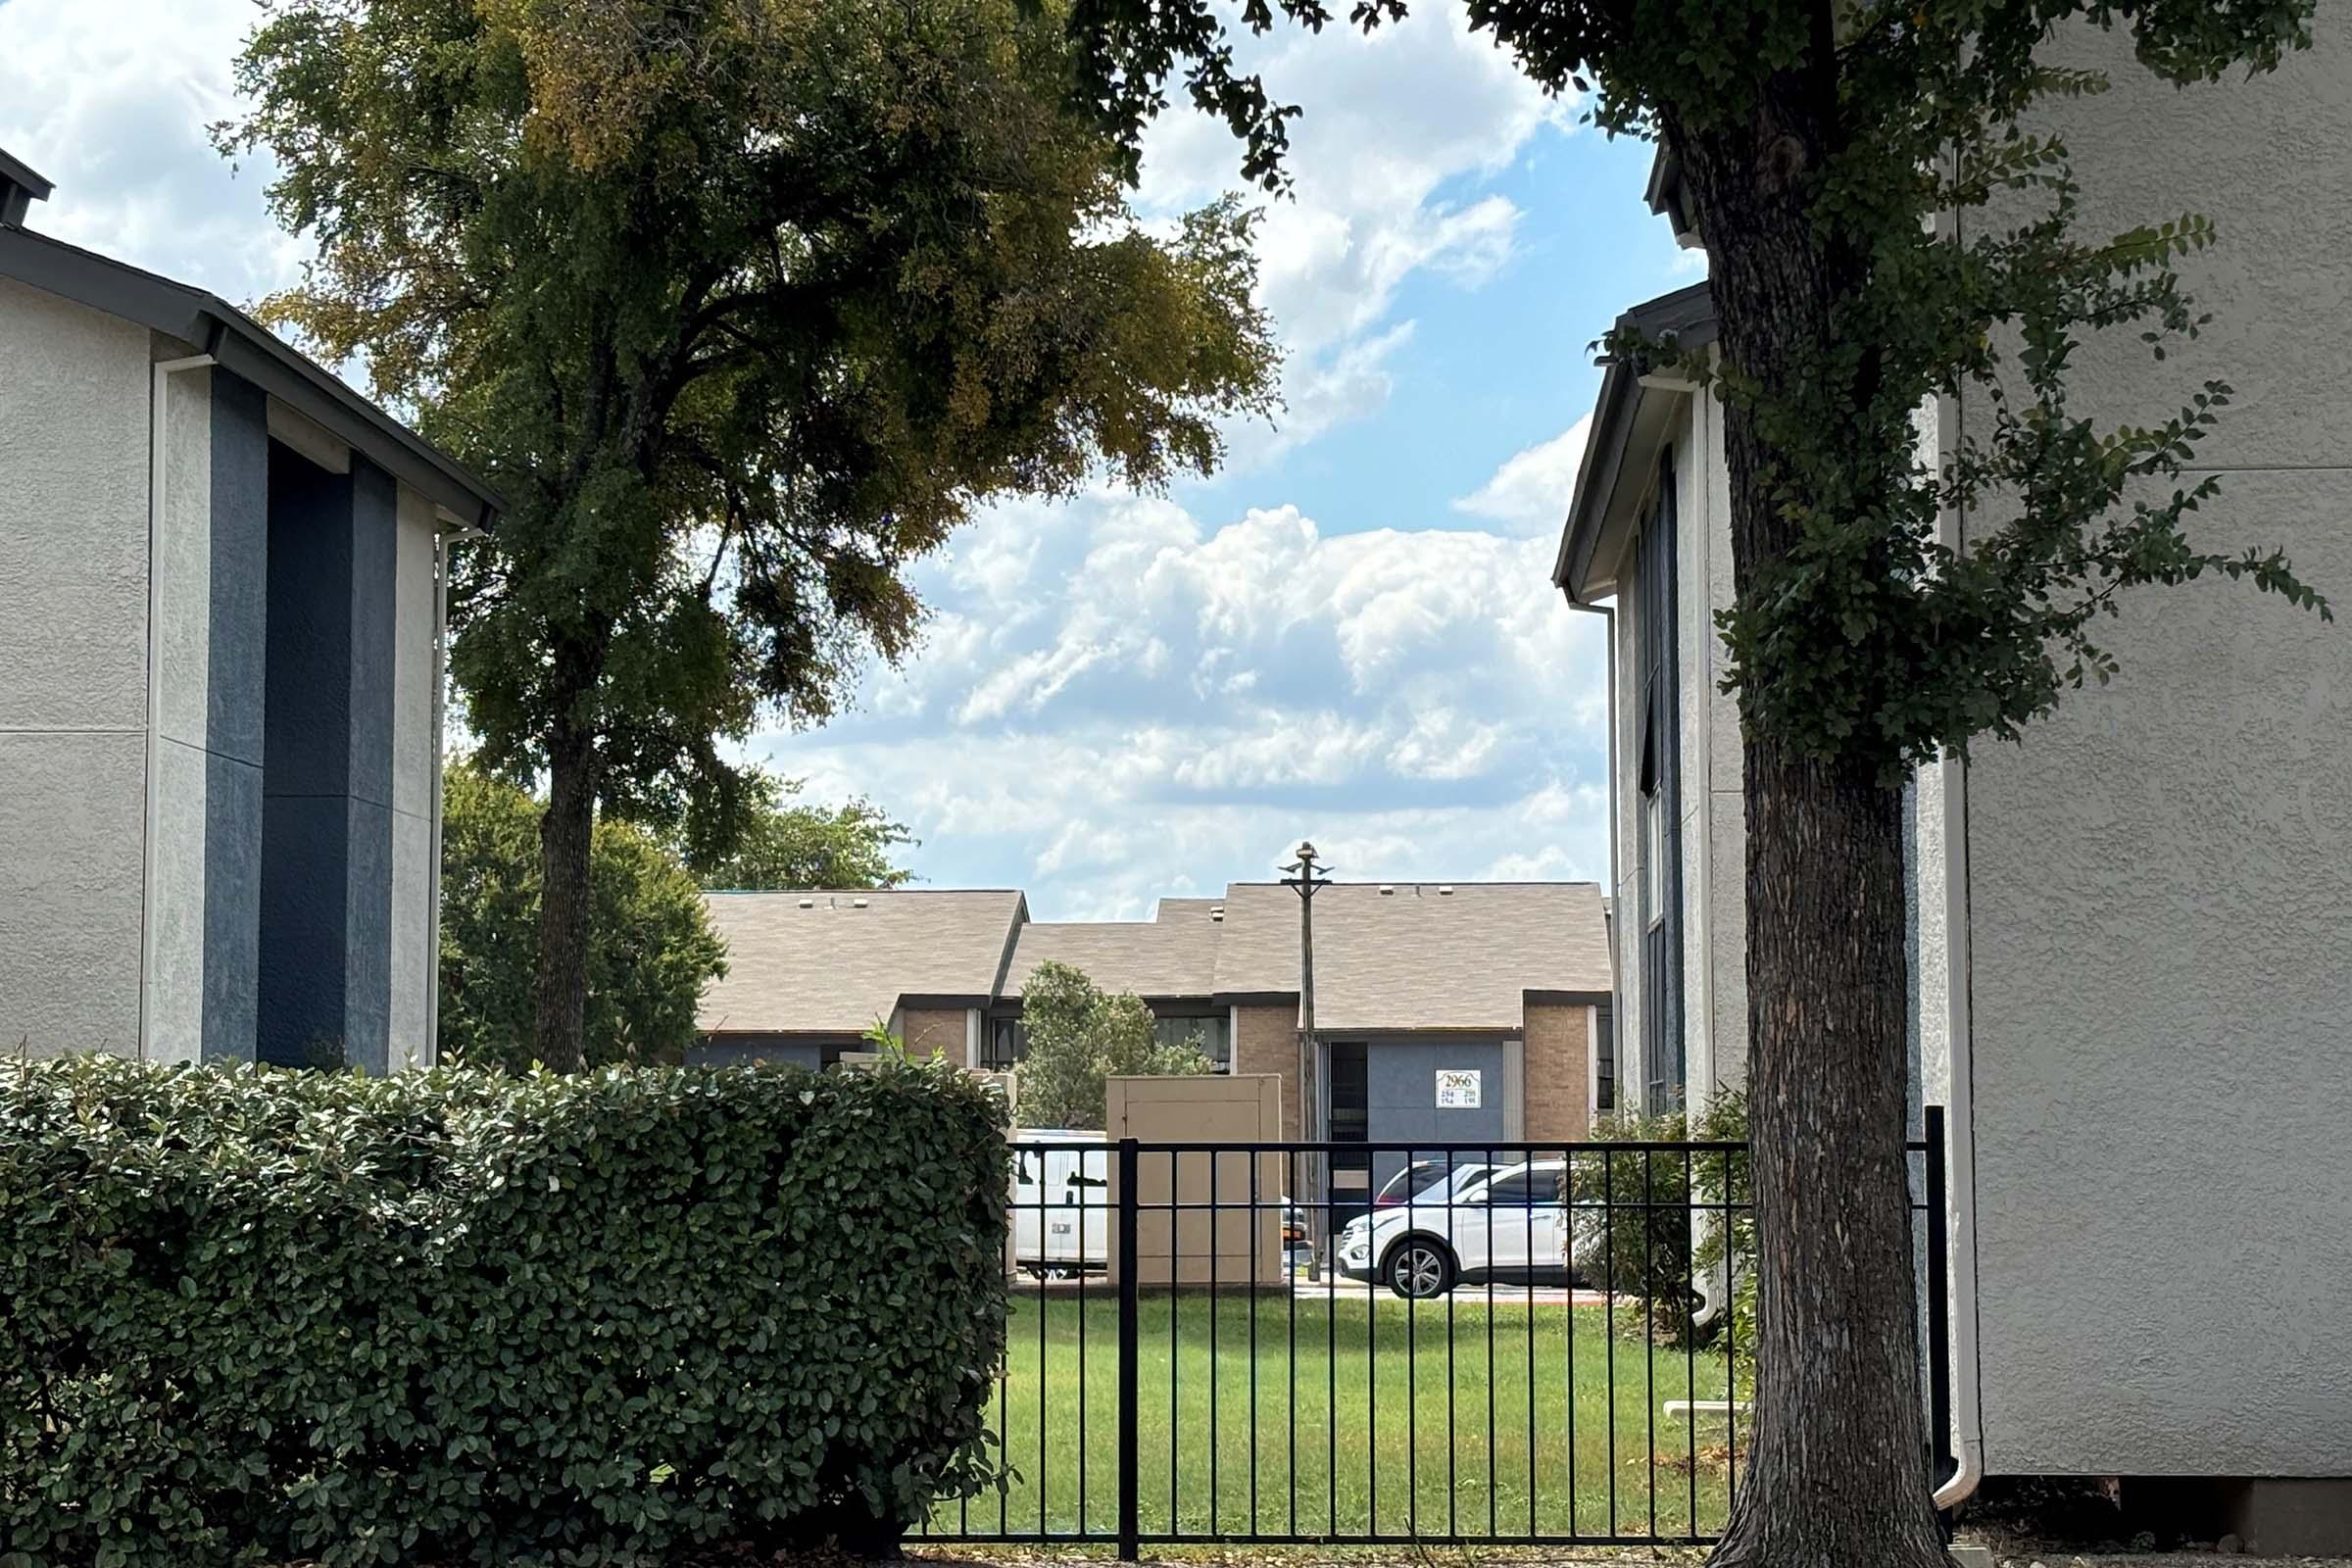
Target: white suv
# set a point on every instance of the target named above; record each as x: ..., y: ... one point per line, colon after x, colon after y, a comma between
x: 1511, y: 1225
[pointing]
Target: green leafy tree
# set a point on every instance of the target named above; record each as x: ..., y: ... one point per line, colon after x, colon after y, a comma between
x: 1887, y: 221
x: 1078, y: 1036
x: 779, y: 844
x: 651, y: 947
x: 744, y: 305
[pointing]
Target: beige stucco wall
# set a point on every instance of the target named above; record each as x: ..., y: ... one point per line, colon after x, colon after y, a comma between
x: 2160, y: 914
x: 1265, y: 1040
x: 73, y: 718
x: 1240, y: 1238
x: 1558, y: 1073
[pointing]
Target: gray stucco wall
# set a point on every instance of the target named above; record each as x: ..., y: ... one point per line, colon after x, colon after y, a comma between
x: 1712, y: 829
x: 2160, y: 910
x: 415, y: 769
x: 74, y: 401
x: 1401, y: 1095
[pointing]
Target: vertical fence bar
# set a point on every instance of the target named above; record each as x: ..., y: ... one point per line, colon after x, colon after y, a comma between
x: 1130, y: 1406
x: 1290, y: 1291
x: 1454, y: 1522
x: 1175, y: 1343
x: 1731, y: 1336
x: 1939, y: 1306
x: 1412, y: 1377
x: 1568, y: 1339
x: 1493, y: 1454
x: 1608, y: 1337
x: 1216, y: 1373
x: 1086, y: 1201
x: 1690, y: 1335
x: 1045, y: 1224
x: 1649, y: 1336
x: 1527, y: 1322
x: 1257, y: 1222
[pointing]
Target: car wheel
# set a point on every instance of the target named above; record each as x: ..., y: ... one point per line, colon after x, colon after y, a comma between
x: 1420, y: 1269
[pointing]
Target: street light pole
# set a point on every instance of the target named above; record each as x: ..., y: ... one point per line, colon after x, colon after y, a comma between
x: 1303, y: 878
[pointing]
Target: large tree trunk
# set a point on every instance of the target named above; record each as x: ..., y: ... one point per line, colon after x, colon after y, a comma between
x: 1837, y: 1470
x: 562, y: 990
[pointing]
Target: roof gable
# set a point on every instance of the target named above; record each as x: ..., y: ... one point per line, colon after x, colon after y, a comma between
x: 839, y: 962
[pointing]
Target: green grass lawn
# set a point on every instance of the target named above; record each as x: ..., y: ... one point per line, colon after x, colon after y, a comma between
x: 1401, y: 1419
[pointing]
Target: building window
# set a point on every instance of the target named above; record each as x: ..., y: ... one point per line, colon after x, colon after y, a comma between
x: 1660, y: 848
x: 1207, y: 1032
x: 1604, y: 1058
x: 1350, y: 1093
x: 1004, y: 1043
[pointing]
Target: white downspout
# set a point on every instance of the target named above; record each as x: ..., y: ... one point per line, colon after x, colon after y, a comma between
x: 158, y: 466
x: 1960, y: 1124
x: 1608, y: 637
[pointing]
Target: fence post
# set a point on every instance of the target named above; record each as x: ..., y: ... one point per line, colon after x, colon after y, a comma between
x: 1939, y: 1306
x: 1130, y: 1407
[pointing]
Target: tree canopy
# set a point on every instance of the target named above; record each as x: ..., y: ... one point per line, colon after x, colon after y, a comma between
x: 651, y: 949
x: 744, y: 305
x: 1078, y: 1036
x: 781, y: 844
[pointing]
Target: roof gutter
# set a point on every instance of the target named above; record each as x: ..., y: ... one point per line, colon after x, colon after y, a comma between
x: 1682, y: 319
x: 239, y: 344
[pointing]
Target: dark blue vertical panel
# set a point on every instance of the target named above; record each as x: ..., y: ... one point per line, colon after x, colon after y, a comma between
x: 306, y: 838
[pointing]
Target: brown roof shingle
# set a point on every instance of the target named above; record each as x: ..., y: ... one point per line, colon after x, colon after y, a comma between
x: 1170, y: 956
x: 1415, y: 957
x: 1412, y: 959
x: 836, y: 967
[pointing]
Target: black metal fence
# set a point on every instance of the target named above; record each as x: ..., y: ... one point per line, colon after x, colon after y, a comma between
x: 1511, y: 1343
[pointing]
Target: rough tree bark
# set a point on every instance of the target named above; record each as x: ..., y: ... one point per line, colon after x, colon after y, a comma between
x: 1836, y: 1474
x: 560, y: 997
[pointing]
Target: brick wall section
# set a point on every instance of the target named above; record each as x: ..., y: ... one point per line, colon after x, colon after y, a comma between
x: 1266, y: 1040
x: 929, y: 1029
x: 1558, y: 1070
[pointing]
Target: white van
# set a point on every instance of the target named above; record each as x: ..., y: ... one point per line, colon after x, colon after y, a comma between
x: 1061, y: 1202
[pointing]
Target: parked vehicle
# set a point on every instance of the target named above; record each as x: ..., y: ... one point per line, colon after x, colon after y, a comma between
x: 1436, y: 1176
x: 1061, y: 1203
x: 1508, y: 1224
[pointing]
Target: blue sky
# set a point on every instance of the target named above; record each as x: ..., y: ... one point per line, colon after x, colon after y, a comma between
x: 1347, y: 634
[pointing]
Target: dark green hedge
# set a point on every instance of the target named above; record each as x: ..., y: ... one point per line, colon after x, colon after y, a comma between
x: 258, y: 1314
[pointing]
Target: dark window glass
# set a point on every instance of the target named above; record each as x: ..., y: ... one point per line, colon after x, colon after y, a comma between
x: 1659, y: 809
x: 1525, y: 1189
x: 1604, y: 1073
x: 1350, y: 1093
x: 1004, y: 1043
x: 1205, y: 1032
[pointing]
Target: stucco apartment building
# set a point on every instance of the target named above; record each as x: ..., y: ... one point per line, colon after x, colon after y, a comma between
x: 2130, y: 932
x: 220, y: 630
x: 1506, y: 981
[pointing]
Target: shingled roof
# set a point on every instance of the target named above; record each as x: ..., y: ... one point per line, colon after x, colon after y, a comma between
x: 1388, y: 958
x: 1419, y: 955
x: 838, y: 963
x: 1173, y: 956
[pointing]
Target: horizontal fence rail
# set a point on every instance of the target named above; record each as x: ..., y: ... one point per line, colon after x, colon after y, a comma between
x: 1514, y: 1343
